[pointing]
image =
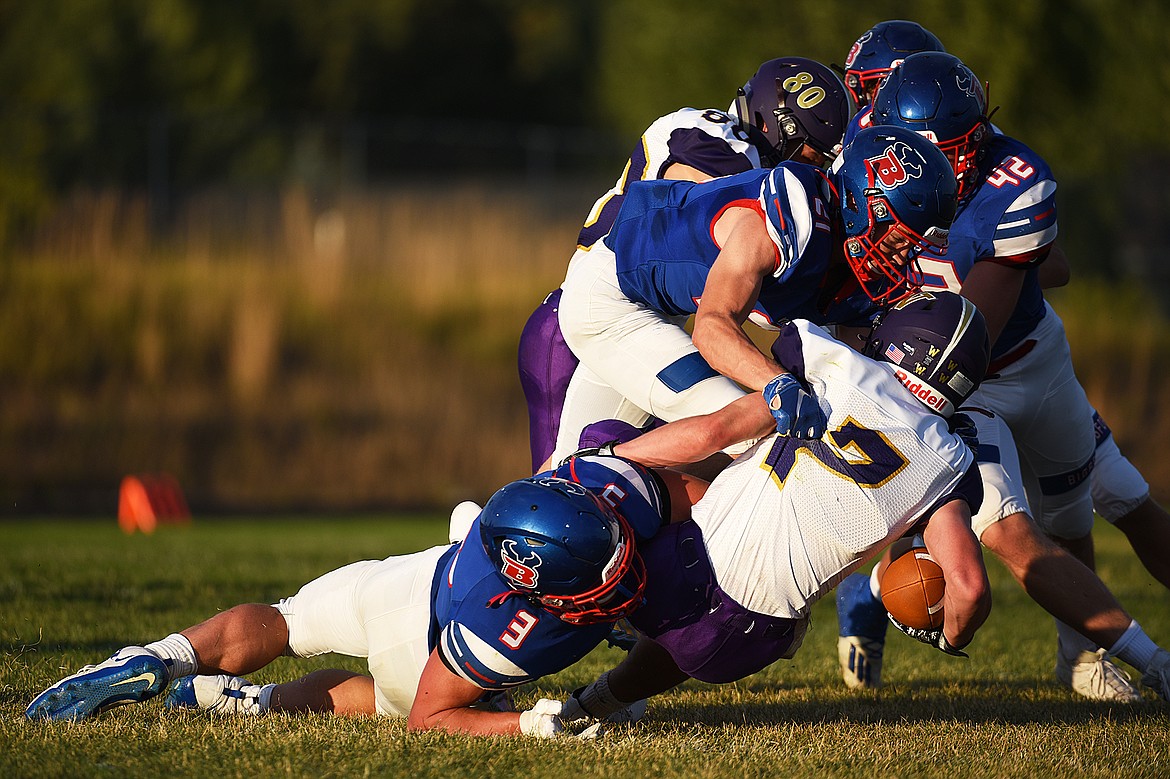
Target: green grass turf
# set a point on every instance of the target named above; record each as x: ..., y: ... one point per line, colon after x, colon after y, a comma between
x: 72, y: 592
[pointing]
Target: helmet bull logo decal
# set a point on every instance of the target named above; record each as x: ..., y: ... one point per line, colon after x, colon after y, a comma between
x: 856, y: 49
x: 520, y: 571
x: 896, y: 166
x: 966, y: 84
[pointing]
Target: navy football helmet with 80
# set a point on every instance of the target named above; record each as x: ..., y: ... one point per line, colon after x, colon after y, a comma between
x: 939, y: 344
x: 938, y: 96
x: 561, y: 546
x: 795, y: 102
x: 897, y: 198
x: 878, y: 50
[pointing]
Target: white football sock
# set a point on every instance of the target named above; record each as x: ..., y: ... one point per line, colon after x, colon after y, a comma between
x: 1134, y: 647
x: 176, y: 651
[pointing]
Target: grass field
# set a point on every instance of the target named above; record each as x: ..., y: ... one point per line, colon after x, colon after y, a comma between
x: 72, y: 592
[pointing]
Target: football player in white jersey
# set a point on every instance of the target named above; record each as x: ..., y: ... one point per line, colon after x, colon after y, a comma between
x: 730, y: 592
x: 790, y: 519
x: 1036, y: 465
x: 765, y: 125
x: 446, y: 631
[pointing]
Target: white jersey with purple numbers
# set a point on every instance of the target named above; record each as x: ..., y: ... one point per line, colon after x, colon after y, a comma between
x: 789, y: 519
x: 496, y: 647
x: 705, y: 139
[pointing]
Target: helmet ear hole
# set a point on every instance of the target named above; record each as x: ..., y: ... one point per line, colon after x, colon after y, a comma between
x: 794, y: 101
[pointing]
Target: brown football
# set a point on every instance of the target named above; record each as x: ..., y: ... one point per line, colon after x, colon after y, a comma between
x: 912, y: 590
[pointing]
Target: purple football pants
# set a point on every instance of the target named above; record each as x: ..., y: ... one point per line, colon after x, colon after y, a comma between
x: 546, y: 365
x: 711, y: 637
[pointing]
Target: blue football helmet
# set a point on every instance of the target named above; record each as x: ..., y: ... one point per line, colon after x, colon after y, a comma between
x: 938, y: 96
x: 795, y: 101
x: 559, y: 545
x: 939, y: 343
x: 897, y: 198
x: 878, y: 50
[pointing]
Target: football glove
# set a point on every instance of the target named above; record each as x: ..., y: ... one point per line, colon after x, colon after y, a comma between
x: 796, y: 411
x: 542, y: 720
x: 932, y: 637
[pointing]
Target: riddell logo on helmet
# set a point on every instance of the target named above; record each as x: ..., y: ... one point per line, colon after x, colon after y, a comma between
x: 922, y: 392
x: 898, y: 165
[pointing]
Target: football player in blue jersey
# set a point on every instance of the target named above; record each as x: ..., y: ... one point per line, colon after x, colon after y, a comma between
x: 878, y: 50
x: 792, y: 108
x: 1036, y: 466
x: 544, y: 571
x: 767, y: 245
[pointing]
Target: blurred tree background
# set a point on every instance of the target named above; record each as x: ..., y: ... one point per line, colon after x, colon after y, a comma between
x: 231, y: 233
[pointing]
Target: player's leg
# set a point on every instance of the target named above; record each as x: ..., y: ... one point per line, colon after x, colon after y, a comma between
x: 1148, y: 530
x: 640, y: 355
x: 331, y: 690
x: 239, y: 640
x: 861, y: 630
x: 589, y: 399
x: 1036, y: 396
x: 546, y: 365
x: 1122, y: 497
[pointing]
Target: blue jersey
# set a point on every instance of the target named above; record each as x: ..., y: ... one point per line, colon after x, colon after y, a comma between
x: 1009, y: 218
x: 708, y: 140
x: 517, y: 641
x: 663, y: 239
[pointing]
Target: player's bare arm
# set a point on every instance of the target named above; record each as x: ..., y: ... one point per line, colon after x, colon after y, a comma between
x: 692, y: 439
x: 747, y: 255
x: 444, y: 701
x: 1054, y: 271
x: 681, y: 172
x: 994, y: 289
x: 953, y: 545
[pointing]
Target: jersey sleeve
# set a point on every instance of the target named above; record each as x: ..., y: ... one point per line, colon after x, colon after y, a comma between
x: 788, y: 350
x: 708, y: 140
x: 1018, y: 207
x: 629, y: 488
x: 500, y: 647
x: 713, y: 156
x: 793, y: 211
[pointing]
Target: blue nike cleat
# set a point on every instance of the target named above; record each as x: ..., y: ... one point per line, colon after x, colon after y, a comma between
x: 862, y: 626
x: 181, y: 694
x: 130, y: 675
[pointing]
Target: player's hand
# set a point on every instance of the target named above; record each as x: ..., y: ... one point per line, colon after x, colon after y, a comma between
x: 796, y: 412
x: 933, y: 637
x: 542, y: 720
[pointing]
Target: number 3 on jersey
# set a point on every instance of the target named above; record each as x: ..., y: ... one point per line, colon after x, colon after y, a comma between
x: 518, y: 629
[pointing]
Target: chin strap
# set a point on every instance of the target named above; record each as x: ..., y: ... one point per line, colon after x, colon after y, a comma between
x: 498, y: 600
